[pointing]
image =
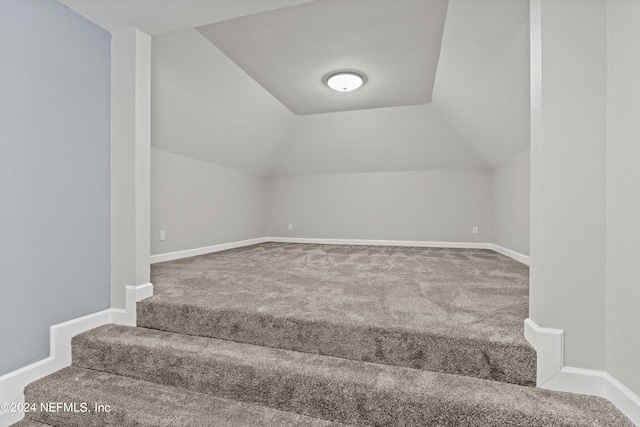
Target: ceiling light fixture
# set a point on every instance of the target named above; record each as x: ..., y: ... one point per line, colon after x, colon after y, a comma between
x: 345, y: 81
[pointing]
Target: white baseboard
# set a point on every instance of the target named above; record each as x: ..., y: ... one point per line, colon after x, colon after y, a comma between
x: 365, y: 242
x: 597, y: 383
x: 549, y: 346
x: 12, y: 384
x: 133, y: 294
x: 627, y: 401
x: 511, y: 254
x: 553, y: 375
x: 170, y: 256
x: 414, y: 243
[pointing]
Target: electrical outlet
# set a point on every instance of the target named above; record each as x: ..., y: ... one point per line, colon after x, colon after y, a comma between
x: 475, y: 230
x: 290, y: 227
x: 163, y: 235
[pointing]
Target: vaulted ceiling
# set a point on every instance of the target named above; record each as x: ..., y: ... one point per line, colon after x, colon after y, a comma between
x: 240, y: 83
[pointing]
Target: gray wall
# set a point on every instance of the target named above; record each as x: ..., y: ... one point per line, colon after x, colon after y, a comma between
x: 201, y: 204
x: 623, y: 186
x: 568, y: 176
x: 436, y: 205
x: 585, y: 236
x: 54, y: 174
x: 511, y: 203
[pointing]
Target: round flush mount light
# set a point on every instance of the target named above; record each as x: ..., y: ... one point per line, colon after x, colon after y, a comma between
x: 345, y: 81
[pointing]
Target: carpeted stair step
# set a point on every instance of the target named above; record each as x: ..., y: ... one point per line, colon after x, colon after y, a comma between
x: 28, y: 422
x: 331, y: 388
x: 139, y: 403
x: 512, y: 362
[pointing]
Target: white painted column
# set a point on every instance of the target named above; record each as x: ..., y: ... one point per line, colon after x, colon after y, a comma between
x: 568, y: 174
x: 130, y: 161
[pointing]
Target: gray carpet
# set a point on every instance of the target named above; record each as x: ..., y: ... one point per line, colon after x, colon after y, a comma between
x: 343, y: 390
x: 28, y: 422
x: 457, y: 311
x: 249, y: 337
x: 140, y: 403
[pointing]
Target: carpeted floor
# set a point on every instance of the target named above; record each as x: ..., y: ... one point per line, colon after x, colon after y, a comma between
x: 319, y: 335
x: 457, y: 311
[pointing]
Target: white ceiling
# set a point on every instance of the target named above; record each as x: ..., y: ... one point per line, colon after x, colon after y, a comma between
x: 483, y: 75
x: 205, y: 106
x: 156, y: 17
x: 289, y: 51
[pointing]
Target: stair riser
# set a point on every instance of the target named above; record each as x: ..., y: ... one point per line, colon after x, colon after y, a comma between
x: 324, y: 395
x: 514, y: 364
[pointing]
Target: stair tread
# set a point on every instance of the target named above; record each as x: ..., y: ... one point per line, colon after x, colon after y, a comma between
x: 240, y: 371
x: 140, y: 403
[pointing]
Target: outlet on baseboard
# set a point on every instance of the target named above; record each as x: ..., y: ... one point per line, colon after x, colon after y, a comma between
x: 163, y: 235
x: 475, y: 230
x: 290, y: 227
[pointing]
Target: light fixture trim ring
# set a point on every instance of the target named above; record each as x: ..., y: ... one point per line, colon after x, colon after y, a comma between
x: 350, y: 83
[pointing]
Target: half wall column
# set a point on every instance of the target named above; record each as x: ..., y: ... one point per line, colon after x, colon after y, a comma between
x: 130, y: 161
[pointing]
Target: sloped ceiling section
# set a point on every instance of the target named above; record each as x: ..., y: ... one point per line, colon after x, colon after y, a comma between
x: 482, y: 84
x: 203, y: 106
x: 290, y: 51
x: 374, y: 140
x: 156, y: 17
